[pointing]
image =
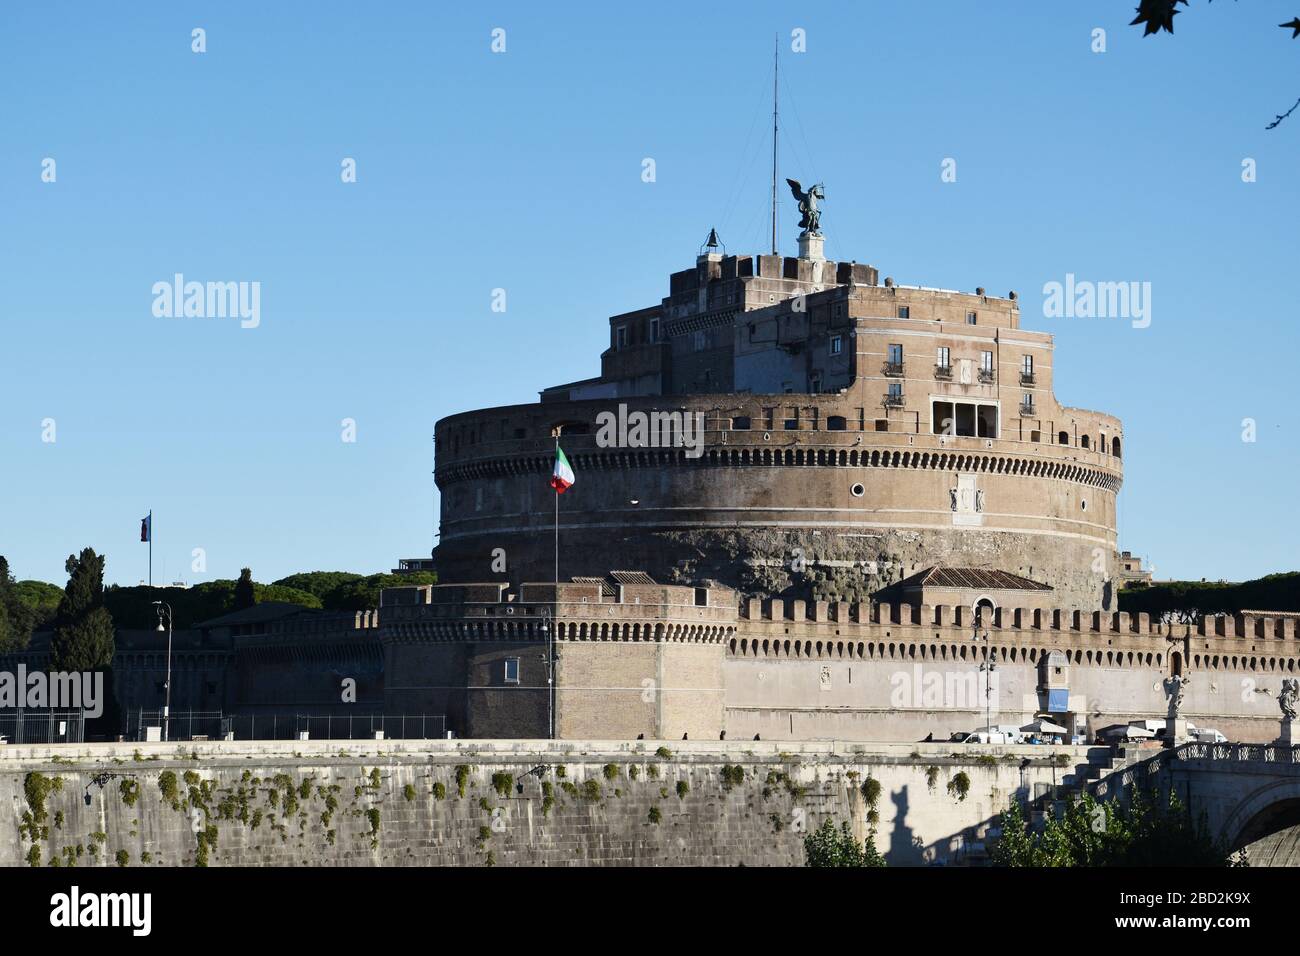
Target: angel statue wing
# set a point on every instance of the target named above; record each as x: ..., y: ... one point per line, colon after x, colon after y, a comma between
x: 795, y: 188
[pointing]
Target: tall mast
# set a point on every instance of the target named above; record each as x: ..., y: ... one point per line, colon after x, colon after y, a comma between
x: 776, y: 66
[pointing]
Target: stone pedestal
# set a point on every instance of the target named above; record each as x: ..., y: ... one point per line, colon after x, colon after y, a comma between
x: 1290, y: 735
x: 810, y: 247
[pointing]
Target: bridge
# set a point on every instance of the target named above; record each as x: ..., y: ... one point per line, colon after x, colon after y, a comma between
x: 1249, y: 794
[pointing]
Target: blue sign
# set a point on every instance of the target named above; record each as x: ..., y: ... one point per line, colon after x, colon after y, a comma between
x: 1058, y: 700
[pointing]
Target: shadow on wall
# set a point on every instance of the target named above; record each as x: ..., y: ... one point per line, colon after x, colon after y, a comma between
x: 905, y: 848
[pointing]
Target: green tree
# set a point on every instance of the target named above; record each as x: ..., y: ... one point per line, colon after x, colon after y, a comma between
x: 828, y: 847
x: 24, y: 605
x: 83, y: 633
x: 1150, y: 831
x: 245, y: 594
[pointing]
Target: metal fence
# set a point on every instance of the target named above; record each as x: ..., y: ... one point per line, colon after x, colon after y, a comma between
x: 214, y: 725
x: 43, y: 726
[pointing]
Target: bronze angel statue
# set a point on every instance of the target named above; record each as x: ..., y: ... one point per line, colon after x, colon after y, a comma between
x: 812, y: 217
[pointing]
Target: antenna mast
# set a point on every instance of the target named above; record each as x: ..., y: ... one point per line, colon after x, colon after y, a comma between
x: 776, y: 66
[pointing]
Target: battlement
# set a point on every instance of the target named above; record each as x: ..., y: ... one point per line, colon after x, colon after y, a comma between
x: 1249, y: 625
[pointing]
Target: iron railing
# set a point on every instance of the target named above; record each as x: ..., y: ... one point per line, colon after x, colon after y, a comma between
x: 43, y: 726
x: 216, y: 725
x: 987, y: 376
x: 943, y: 372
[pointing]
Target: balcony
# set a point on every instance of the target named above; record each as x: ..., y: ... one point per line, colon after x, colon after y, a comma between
x: 894, y: 369
x: 1026, y: 378
x: 987, y: 376
x: 943, y: 373
x: 1028, y: 409
x: 893, y: 400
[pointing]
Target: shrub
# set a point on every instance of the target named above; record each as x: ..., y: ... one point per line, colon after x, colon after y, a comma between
x: 439, y: 790
x: 655, y: 815
x: 683, y: 788
x: 732, y: 775
x: 462, y: 777
x: 591, y: 790
x: 502, y: 782
x: 408, y: 791
x: 663, y: 752
x: 610, y: 771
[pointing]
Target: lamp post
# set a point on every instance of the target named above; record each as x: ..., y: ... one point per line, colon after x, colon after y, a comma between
x: 987, y: 667
x: 165, y: 609
x: 549, y: 661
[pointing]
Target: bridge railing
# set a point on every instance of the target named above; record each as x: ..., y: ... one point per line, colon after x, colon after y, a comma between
x: 1145, y: 772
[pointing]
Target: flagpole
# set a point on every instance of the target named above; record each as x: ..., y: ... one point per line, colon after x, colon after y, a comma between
x: 150, y: 549
x: 555, y: 617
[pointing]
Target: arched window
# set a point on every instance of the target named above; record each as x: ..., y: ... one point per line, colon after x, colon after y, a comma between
x: 1115, y: 448
x: 1083, y: 441
x: 1063, y: 438
x: 836, y: 423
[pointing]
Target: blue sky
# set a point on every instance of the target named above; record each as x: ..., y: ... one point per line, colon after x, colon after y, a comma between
x: 522, y: 171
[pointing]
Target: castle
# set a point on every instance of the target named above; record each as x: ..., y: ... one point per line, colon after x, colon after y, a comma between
x: 888, y: 528
x: 810, y: 505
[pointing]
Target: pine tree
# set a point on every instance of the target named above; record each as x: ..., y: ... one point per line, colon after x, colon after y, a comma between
x: 83, y: 633
x: 245, y: 595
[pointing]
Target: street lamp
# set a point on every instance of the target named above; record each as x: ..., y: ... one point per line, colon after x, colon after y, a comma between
x: 165, y: 609
x: 987, y: 667
x: 549, y: 661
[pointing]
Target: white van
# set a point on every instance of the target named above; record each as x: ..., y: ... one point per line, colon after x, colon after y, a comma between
x: 1208, y: 736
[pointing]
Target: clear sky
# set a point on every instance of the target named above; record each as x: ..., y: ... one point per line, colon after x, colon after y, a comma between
x: 522, y: 170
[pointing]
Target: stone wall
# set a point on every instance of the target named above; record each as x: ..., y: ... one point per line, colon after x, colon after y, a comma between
x: 590, y: 802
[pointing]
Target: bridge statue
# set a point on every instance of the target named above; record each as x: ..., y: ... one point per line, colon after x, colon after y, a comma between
x: 811, y: 219
x: 1289, y: 696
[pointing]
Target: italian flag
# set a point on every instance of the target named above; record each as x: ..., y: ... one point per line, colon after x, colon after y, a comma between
x: 562, y: 478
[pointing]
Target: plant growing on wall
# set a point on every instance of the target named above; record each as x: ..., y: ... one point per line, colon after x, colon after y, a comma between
x: 959, y: 786
x: 462, y: 777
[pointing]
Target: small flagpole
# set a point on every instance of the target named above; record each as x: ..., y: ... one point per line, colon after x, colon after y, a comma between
x: 555, y: 617
x: 150, y: 549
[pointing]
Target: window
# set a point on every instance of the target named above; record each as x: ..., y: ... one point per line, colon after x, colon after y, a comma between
x: 512, y: 670
x: 654, y: 330
x: 701, y: 340
x: 970, y: 318
x: 895, y: 355
x: 1083, y: 441
x: 1027, y: 365
x: 1027, y: 403
x: 964, y: 419
x: 1114, y: 448
x: 815, y: 382
x: 836, y: 423
x: 837, y: 344
x: 896, y: 393
x: 942, y: 360
x: 904, y: 312
x: 740, y: 423
x: 986, y: 361
x: 1063, y: 438
x: 620, y: 337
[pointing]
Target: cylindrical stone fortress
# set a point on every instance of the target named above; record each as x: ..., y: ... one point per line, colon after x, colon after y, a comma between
x: 807, y: 433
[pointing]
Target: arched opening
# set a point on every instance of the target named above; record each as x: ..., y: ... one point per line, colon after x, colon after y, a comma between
x: 1176, y: 664
x: 1063, y: 438
x: 1083, y: 441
